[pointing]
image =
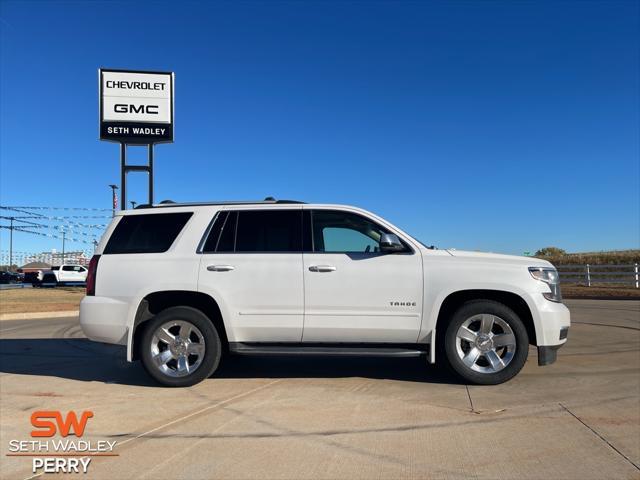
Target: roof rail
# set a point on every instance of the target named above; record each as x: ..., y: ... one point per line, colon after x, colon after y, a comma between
x: 171, y: 203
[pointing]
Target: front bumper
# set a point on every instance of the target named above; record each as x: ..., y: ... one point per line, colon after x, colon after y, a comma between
x: 552, y: 327
x: 103, y: 319
x: 548, y: 354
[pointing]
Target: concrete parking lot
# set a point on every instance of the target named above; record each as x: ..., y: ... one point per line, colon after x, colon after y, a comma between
x: 345, y: 418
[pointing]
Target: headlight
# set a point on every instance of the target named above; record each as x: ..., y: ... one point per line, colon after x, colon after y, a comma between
x: 550, y: 277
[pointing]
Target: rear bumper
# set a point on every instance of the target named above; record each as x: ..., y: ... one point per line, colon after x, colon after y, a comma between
x: 104, y: 319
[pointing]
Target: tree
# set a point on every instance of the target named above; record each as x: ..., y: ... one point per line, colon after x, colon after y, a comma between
x: 550, y: 252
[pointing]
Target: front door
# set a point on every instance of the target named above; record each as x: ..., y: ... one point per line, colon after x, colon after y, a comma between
x: 252, y: 263
x: 353, y: 291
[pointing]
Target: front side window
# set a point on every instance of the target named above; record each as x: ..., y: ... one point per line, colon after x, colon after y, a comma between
x: 344, y: 232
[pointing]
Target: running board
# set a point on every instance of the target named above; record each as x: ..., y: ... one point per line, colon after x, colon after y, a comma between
x: 359, y: 350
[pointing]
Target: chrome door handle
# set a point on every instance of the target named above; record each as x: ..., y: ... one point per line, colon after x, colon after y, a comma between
x: 322, y: 268
x: 220, y: 268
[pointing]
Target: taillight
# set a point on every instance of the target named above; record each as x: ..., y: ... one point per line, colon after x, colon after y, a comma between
x: 91, y: 275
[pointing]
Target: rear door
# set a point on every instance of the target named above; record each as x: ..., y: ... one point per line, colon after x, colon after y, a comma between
x: 353, y: 291
x: 252, y: 262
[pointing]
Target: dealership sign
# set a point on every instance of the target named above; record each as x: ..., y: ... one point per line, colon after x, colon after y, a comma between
x: 136, y: 108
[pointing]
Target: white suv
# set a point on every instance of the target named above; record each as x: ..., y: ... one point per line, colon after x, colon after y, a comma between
x: 181, y: 284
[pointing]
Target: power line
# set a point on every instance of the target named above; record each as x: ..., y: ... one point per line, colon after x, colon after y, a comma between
x: 70, y: 223
x: 55, y: 227
x: 68, y: 226
x: 23, y: 228
x: 23, y: 221
x: 49, y: 235
x: 60, y: 218
x: 86, y: 209
x: 18, y: 209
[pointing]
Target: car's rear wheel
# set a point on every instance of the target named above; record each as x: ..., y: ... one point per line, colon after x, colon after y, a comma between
x: 486, y: 342
x: 180, y: 347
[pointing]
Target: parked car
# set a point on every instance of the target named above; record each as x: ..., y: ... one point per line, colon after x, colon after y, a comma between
x: 9, y: 277
x: 182, y: 284
x: 63, y: 274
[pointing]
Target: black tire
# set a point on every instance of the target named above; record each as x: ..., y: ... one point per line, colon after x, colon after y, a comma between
x: 450, y: 347
x: 49, y: 281
x: 212, y: 345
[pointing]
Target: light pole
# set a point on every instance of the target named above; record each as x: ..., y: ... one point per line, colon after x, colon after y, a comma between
x: 63, y: 238
x: 114, y: 199
x: 11, y: 244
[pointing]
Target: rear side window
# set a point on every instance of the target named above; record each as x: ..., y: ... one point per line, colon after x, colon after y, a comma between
x: 211, y: 243
x: 152, y: 233
x: 222, y: 236
x: 269, y: 231
x: 255, y: 231
x: 227, y: 240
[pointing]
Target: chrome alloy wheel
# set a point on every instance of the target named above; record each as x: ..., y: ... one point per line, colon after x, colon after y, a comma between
x: 485, y: 343
x: 177, y: 348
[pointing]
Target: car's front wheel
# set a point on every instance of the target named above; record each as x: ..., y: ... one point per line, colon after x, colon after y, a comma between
x: 180, y: 347
x: 486, y: 342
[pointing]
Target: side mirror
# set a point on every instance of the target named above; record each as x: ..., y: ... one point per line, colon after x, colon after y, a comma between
x: 389, y: 242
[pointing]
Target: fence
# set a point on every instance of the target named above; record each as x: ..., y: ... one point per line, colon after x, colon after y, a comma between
x: 598, y: 274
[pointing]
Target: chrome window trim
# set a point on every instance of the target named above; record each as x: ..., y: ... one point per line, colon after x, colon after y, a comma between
x: 205, y: 236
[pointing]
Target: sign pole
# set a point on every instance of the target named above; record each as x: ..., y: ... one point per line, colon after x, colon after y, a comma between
x: 151, y: 174
x: 123, y: 176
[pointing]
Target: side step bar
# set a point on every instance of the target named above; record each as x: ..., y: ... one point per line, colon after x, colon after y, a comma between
x: 355, y: 350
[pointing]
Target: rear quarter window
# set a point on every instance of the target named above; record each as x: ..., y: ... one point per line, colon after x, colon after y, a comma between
x: 153, y: 233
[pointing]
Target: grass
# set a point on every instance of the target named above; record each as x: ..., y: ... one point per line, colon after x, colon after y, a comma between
x: 600, y: 291
x: 31, y: 300
x: 621, y: 257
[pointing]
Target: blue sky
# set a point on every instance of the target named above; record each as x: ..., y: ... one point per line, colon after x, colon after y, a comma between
x: 499, y: 126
